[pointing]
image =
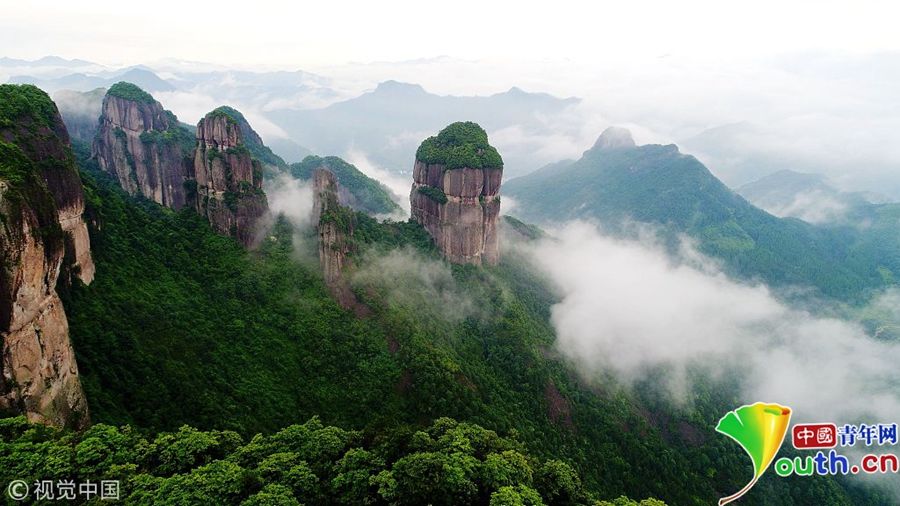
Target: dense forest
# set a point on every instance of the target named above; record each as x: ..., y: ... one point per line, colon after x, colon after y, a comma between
x: 182, y: 327
x: 200, y: 358
x: 446, y: 463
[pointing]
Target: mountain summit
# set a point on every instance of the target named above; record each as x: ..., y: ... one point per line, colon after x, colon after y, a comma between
x: 616, y: 182
x: 614, y: 138
x: 456, y: 193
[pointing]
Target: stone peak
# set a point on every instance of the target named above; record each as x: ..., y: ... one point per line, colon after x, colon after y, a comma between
x: 614, y: 138
x: 401, y: 88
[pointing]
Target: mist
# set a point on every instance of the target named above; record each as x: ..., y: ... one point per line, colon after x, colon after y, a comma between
x: 406, y: 278
x: 744, y: 117
x: 813, y: 206
x: 398, y: 184
x: 627, y: 307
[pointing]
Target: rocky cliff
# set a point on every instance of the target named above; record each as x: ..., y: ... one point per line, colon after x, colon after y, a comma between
x: 145, y: 147
x: 334, y: 224
x: 41, y: 200
x: 456, y: 193
x: 31, y: 121
x: 229, y: 179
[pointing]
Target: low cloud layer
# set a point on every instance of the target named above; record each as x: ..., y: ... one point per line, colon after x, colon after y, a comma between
x: 291, y: 197
x: 407, y: 279
x: 813, y: 207
x: 626, y: 307
x: 398, y: 183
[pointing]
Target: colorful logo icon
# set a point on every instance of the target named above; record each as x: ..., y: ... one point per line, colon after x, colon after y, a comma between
x: 814, y: 436
x: 760, y: 429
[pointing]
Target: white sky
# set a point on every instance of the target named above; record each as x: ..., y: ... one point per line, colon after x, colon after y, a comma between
x: 311, y: 34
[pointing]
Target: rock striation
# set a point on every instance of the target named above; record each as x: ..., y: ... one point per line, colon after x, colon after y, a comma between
x: 229, y: 179
x: 218, y: 171
x: 144, y: 147
x: 456, y: 193
x: 42, y: 235
x: 334, y: 225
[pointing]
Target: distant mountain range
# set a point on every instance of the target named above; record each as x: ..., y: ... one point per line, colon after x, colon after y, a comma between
x: 616, y: 181
x: 309, y: 113
x: 809, y: 197
x: 84, y: 82
x: 742, y: 152
x: 389, y: 122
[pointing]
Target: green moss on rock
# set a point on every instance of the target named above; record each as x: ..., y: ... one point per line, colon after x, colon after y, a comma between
x: 459, y: 145
x: 435, y: 194
x: 26, y: 100
x: 131, y: 92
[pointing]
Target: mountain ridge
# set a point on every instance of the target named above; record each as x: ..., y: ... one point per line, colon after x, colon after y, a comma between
x: 658, y: 184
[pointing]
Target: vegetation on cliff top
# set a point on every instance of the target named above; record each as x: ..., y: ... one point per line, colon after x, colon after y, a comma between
x: 25, y: 102
x: 130, y: 91
x: 230, y: 114
x: 459, y: 145
x: 251, y: 139
x: 28, y: 124
x: 370, y: 195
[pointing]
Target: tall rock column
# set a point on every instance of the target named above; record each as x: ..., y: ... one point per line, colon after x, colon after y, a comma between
x: 41, y: 200
x: 456, y: 193
x: 335, y: 224
x: 229, y: 180
x: 145, y: 147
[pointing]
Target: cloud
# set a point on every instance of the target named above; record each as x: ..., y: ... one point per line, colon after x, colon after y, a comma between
x: 398, y: 184
x: 291, y: 197
x: 77, y: 104
x: 813, y: 206
x: 406, y: 278
x: 189, y: 106
x: 627, y: 307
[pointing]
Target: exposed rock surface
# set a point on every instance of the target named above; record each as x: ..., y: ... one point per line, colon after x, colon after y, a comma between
x: 334, y: 224
x: 456, y: 193
x: 614, y: 138
x: 35, y: 126
x: 218, y: 171
x: 144, y: 146
x: 41, y: 200
x: 229, y: 179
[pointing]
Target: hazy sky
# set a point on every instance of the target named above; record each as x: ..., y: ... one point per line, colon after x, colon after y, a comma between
x: 308, y: 34
x: 815, y: 82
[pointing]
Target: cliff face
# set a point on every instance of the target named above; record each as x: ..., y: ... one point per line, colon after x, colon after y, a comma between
x: 34, y: 125
x: 144, y: 146
x: 229, y: 180
x: 456, y: 193
x: 41, y: 201
x: 334, y: 224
